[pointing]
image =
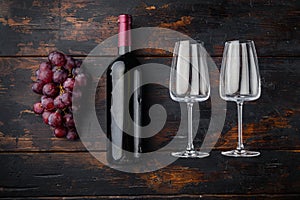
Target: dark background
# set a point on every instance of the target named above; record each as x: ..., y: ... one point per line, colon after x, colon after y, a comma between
x: 35, y: 164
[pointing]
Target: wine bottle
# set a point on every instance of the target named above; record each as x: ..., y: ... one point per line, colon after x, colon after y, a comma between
x: 123, y: 147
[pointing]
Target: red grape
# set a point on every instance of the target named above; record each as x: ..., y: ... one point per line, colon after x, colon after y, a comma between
x: 57, y: 58
x: 60, y: 75
x: 45, y: 116
x: 66, y: 98
x: 81, y: 79
x: 45, y: 66
x: 60, y: 132
x: 38, y: 108
x: 70, y: 64
x: 43, y: 97
x: 50, y: 89
x: 55, y: 81
x: 37, y: 87
x: 48, y: 103
x: 58, y: 103
x: 37, y: 72
x: 55, y: 119
x: 69, y: 84
x: 68, y: 120
x: 45, y: 75
x: 72, y: 134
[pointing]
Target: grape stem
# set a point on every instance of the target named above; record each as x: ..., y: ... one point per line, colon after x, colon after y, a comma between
x: 61, y: 89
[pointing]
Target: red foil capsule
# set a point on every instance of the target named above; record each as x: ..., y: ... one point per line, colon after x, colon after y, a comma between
x: 124, y: 30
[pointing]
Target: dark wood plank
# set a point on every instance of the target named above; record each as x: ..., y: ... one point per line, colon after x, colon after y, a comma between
x: 79, y: 174
x: 35, y: 165
x: 34, y: 27
x: 174, y: 197
x: 28, y: 25
x: 269, y: 123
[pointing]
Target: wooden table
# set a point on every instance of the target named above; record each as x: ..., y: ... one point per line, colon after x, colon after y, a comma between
x: 34, y: 164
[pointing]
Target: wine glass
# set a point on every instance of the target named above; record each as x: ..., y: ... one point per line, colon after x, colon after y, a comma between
x: 239, y: 82
x: 189, y: 83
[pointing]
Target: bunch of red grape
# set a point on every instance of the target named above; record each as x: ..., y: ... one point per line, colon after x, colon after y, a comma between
x: 55, y: 81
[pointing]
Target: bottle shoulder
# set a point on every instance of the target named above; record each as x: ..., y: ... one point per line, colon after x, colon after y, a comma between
x: 124, y: 62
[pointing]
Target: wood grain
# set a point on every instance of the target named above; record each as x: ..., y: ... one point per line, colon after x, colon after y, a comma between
x: 36, y: 165
x: 79, y: 174
x: 270, y: 122
x: 175, y: 197
x: 35, y: 27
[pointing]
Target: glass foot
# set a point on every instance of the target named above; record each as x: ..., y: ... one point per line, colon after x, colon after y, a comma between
x: 190, y: 154
x: 240, y: 153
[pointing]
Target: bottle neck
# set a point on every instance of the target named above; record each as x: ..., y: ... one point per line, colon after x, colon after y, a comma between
x: 124, y: 42
x: 123, y: 49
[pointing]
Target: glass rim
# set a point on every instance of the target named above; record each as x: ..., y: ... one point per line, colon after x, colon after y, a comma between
x: 241, y: 41
x: 200, y: 42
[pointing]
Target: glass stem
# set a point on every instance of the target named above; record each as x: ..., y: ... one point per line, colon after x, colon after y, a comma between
x: 190, y: 146
x: 240, y: 126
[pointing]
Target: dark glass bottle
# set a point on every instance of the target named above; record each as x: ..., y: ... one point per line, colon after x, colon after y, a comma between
x: 123, y: 148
